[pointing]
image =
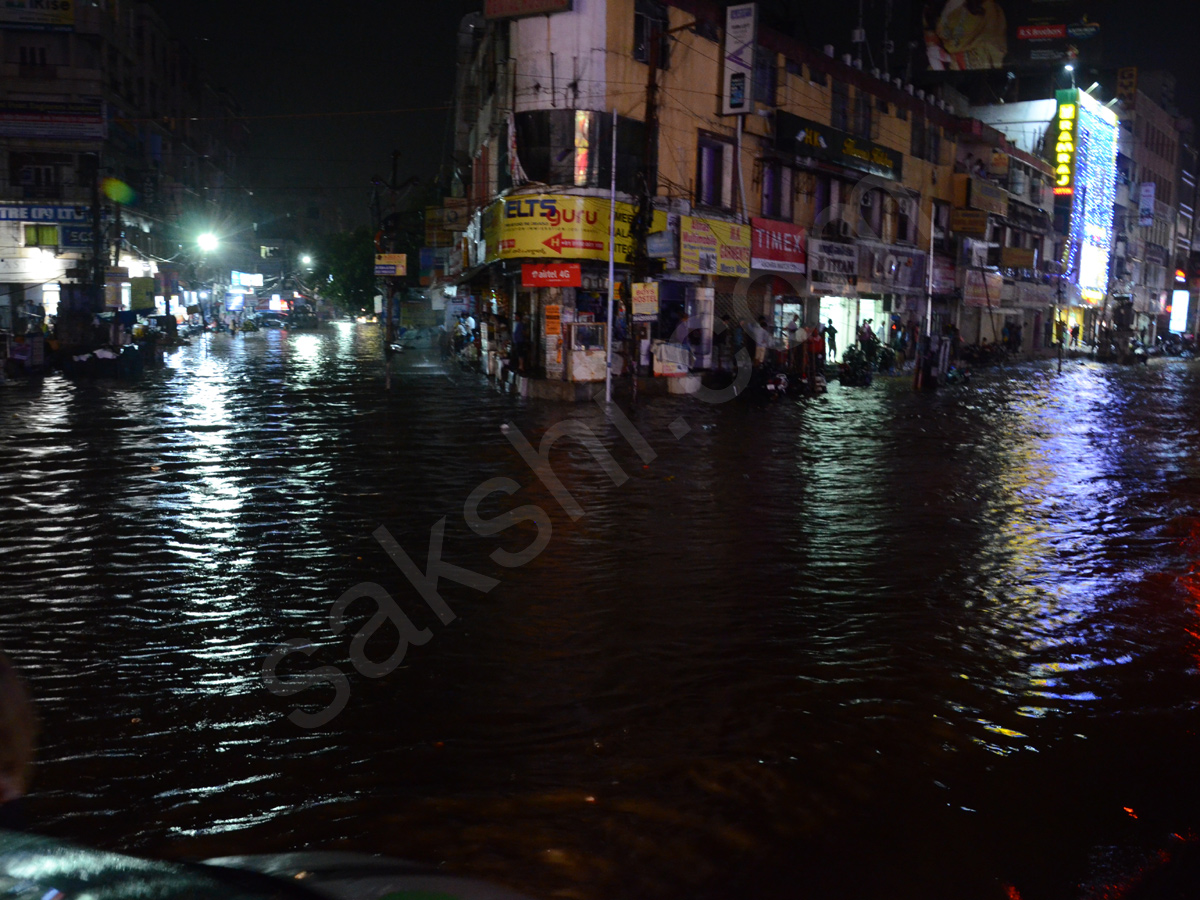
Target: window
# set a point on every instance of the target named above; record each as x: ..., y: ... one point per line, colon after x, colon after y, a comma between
x: 714, y: 165
x: 919, y: 135
x: 41, y: 236
x: 840, y: 110
x: 777, y: 191
x: 793, y: 68
x: 37, y: 176
x: 933, y: 144
x: 765, y: 76
x: 33, y: 56
x: 650, y: 18
x: 862, y: 115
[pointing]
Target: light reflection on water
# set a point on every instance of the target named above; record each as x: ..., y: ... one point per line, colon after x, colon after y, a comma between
x: 802, y: 620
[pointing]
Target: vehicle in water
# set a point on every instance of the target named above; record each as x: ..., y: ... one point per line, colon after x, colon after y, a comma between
x: 33, y: 867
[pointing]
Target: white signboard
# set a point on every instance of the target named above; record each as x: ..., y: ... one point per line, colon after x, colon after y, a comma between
x: 832, y: 268
x: 741, y: 23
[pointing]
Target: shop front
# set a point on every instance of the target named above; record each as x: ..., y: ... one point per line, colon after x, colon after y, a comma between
x: 546, y: 257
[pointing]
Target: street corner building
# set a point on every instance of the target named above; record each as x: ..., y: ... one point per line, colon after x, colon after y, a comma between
x: 759, y: 177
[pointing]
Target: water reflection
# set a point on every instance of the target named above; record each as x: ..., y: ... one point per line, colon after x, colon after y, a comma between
x: 805, y: 635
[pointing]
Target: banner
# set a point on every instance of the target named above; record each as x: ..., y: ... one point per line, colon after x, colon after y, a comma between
x: 43, y: 15
x: 558, y: 226
x: 741, y: 26
x: 778, y: 246
x: 78, y: 121
x: 1008, y: 34
x: 1146, y: 204
x: 711, y: 247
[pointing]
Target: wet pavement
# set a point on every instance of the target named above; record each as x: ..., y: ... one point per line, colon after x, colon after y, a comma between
x: 879, y: 644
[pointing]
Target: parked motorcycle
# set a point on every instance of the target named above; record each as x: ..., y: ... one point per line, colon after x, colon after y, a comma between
x: 855, y: 369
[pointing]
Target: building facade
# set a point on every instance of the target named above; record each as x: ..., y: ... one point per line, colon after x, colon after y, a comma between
x: 833, y: 194
x: 113, y: 146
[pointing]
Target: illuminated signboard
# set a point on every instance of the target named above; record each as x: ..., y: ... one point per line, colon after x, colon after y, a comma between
x: 1087, y: 181
x: 1064, y: 149
x: 1179, y: 311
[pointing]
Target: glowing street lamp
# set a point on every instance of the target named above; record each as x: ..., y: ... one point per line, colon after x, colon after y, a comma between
x: 306, y: 259
x: 207, y: 242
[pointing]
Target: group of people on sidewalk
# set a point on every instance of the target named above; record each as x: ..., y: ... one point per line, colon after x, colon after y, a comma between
x: 794, y: 346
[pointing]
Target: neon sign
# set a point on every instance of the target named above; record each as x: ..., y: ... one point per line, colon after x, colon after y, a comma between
x: 1064, y: 150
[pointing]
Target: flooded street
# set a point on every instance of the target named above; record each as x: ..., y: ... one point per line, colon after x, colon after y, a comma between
x: 880, y: 644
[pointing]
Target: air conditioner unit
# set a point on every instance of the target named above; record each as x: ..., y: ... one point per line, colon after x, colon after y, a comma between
x: 844, y: 229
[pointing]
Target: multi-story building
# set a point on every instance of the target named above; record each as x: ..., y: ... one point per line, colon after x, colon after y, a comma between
x: 793, y: 183
x: 1145, y: 223
x: 112, y: 143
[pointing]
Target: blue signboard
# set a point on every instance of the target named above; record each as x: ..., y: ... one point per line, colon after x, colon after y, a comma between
x: 75, y: 236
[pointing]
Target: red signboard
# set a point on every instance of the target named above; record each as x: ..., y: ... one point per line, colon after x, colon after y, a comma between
x: 778, y: 246
x: 553, y: 275
x: 504, y: 9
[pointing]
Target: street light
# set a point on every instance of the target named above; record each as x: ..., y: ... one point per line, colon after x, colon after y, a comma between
x: 207, y: 242
x: 1070, y: 70
x: 306, y: 259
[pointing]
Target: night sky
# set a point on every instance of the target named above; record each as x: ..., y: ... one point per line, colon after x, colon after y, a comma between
x: 331, y: 89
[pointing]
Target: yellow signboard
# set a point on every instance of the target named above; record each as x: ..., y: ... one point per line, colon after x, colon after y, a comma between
x: 711, y: 247
x: 1064, y: 149
x: 558, y: 226
x: 645, y: 301
x: 393, y: 264
x: 141, y: 293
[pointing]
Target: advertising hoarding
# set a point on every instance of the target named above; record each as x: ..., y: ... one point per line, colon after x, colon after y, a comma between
x: 1146, y: 204
x: 40, y: 15
x: 391, y: 264
x: 1179, y: 311
x: 778, y: 246
x: 832, y: 268
x: 72, y: 121
x: 510, y: 9
x: 804, y: 137
x: 741, y: 27
x: 712, y: 247
x: 558, y: 226
x: 966, y: 35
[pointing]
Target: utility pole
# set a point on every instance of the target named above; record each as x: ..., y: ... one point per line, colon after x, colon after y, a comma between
x: 99, y: 253
x: 647, y: 179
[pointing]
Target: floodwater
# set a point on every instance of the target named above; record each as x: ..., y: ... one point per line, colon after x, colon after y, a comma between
x: 880, y: 644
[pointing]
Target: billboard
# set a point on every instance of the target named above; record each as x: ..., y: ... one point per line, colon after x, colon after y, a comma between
x: 741, y: 27
x: 42, y: 15
x: 558, y: 226
x: 510, y: 9
x: 81, y: 120
x: 968, y: 35
x: 712, y: 247
x: 778, y: 246
x: 804, y: 137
